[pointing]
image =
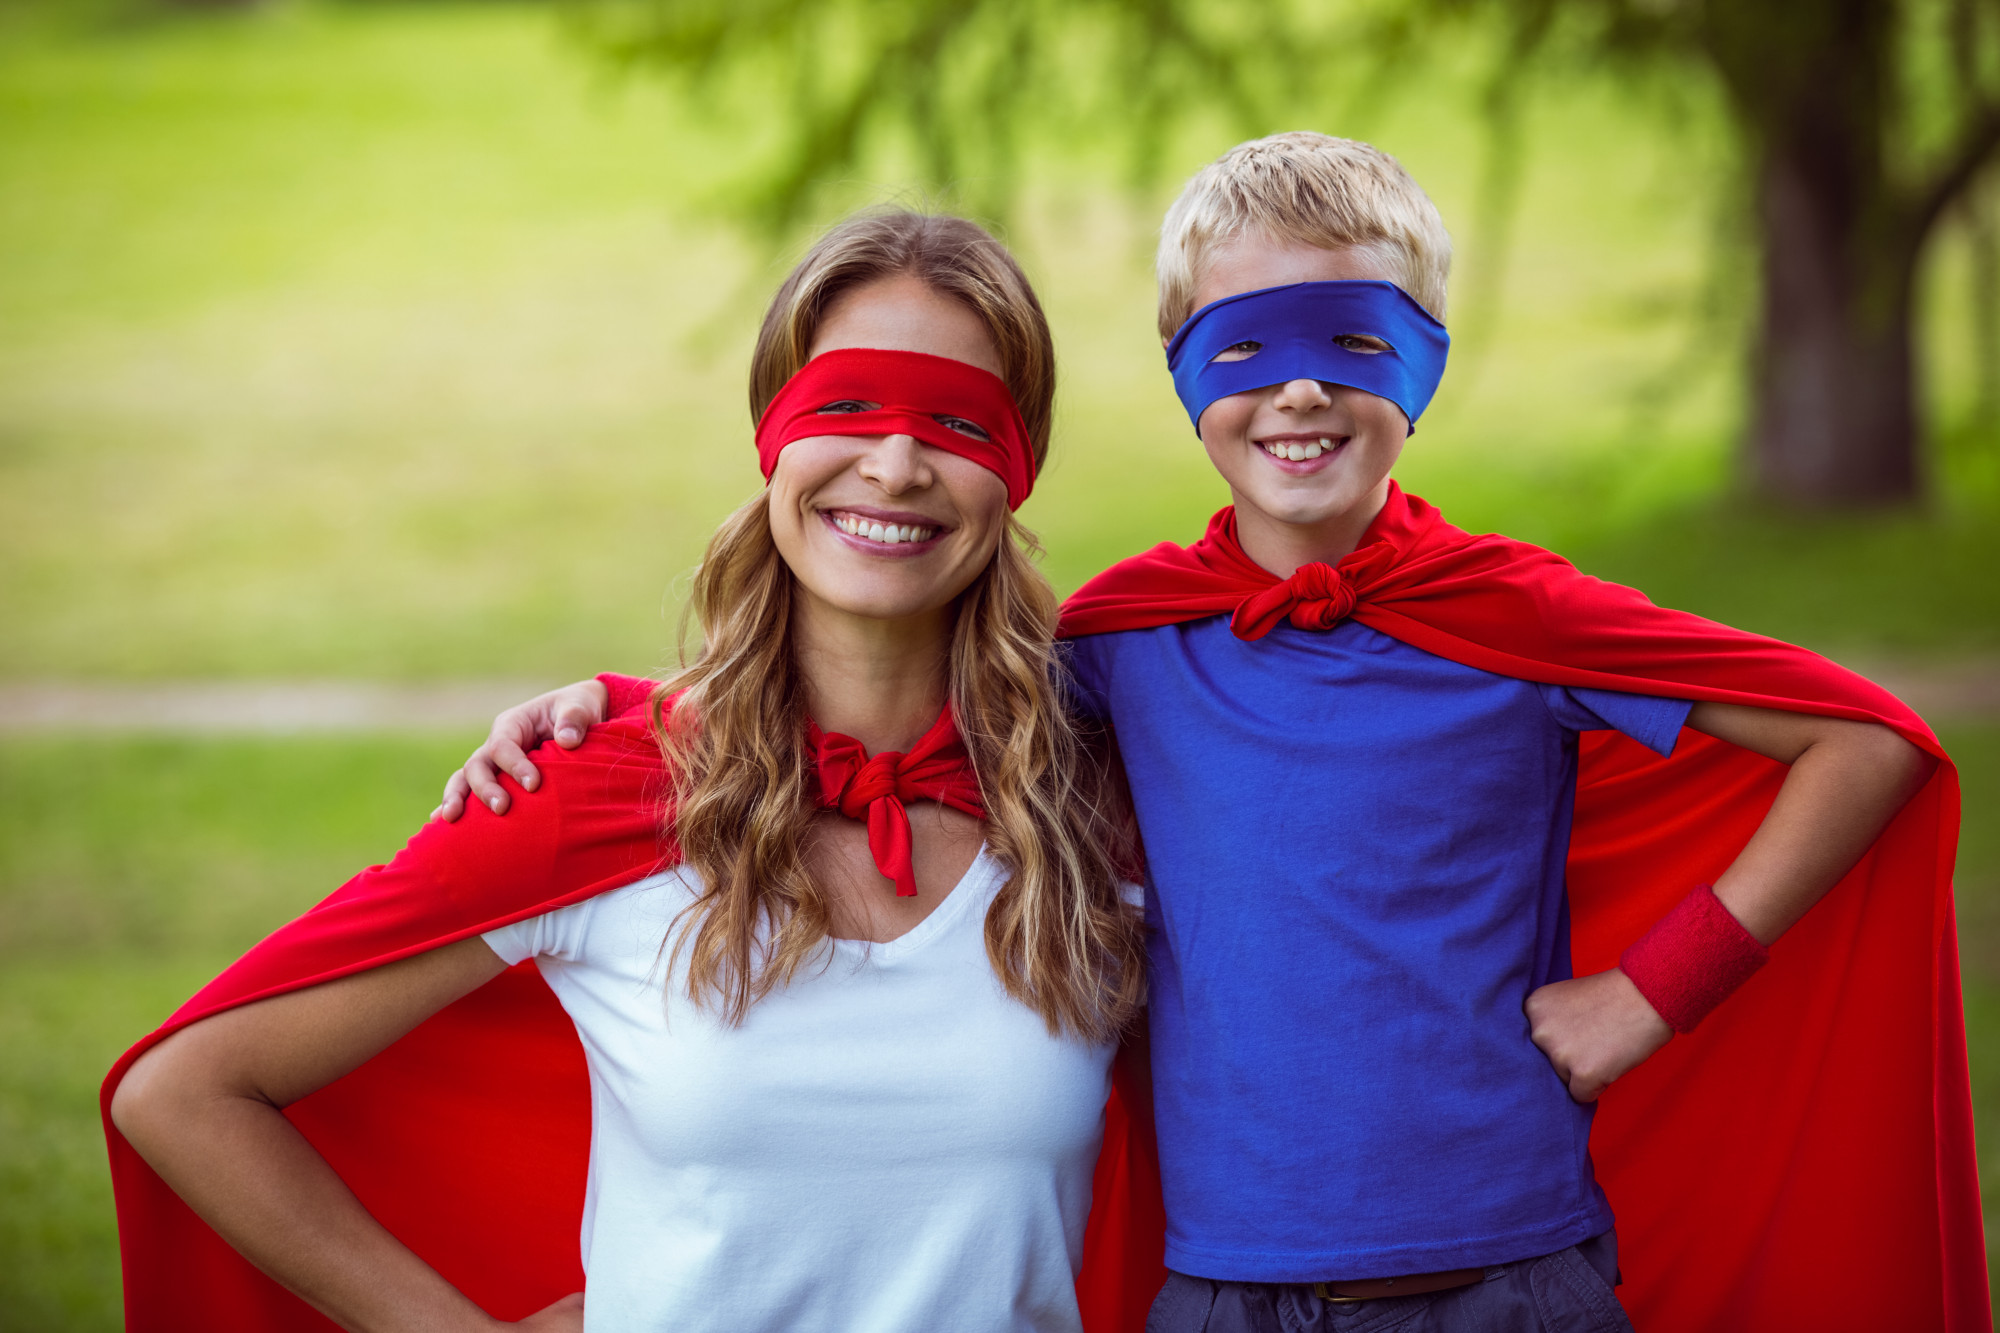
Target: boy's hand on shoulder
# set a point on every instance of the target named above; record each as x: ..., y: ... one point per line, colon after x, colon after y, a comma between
x: 1594, y: 1030
x: 563, y: 716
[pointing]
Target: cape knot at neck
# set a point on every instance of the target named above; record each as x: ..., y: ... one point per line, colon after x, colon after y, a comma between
x: 1317, y: 596
x: 874, y: 781
x: 875, y: 789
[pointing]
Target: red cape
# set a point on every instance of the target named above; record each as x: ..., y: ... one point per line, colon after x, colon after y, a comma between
x: 499, y: 1076
x: 1805, y: 1159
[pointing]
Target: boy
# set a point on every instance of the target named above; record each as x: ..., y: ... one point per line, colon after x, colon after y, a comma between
x: 1354, y: 735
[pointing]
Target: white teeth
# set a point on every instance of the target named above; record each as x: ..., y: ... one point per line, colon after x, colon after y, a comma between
x: 889, y: 534
x: 1299, y: 453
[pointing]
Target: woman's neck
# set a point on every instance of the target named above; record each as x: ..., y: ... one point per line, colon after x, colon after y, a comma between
x: 879, y: 681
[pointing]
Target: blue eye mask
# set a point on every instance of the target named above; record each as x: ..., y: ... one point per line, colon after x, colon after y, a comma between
x: 1297, y: 327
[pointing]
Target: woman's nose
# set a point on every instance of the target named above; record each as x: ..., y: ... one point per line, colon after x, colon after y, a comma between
x: 896, y: 464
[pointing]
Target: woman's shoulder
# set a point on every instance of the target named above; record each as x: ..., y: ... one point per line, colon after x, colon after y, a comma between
x: 618, y: 765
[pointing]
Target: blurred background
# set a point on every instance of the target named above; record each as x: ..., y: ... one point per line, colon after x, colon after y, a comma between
x: 365, y: 366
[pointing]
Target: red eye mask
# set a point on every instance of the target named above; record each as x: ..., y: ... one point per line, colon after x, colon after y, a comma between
x: 914, y: 390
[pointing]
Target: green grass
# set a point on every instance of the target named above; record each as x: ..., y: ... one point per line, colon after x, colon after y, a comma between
x: 130, y: 873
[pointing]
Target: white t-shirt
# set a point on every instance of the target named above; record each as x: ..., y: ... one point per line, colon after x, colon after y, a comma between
x: 889, y: 1143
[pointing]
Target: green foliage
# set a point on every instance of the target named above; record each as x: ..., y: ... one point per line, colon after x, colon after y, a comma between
x: 387, y: 342
x: 948, y: 91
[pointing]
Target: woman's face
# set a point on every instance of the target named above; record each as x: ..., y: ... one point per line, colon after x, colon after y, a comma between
x: 887, y: 527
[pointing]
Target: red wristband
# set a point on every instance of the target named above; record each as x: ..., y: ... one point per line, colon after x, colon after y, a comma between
x: 1692, y: 959
x: 625, y: 694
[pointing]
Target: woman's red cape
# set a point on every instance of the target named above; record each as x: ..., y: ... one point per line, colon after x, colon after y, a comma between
x: 1803, y: 1160
x: 469, y: 1138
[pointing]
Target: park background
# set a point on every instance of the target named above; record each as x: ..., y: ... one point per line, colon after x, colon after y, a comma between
x: 404, y: 345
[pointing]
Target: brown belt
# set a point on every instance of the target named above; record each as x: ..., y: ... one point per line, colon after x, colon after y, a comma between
x: 1416, y: 1284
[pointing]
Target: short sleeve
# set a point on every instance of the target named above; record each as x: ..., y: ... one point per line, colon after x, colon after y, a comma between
x: 558, y: 934
x: 1652, y: 721
x: 1083, y: 662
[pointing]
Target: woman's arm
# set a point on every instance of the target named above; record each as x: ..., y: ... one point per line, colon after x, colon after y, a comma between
x: 1847, y: 781
x: 204, y: 1109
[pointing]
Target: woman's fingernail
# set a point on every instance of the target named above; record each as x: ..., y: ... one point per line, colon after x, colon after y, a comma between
x: 495, y: 804
x: 569, y: 735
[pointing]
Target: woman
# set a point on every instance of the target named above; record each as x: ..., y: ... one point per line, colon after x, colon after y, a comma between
x: 848, y: 1054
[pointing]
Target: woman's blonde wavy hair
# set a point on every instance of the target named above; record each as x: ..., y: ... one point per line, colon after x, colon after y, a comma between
x: 1058, y: 935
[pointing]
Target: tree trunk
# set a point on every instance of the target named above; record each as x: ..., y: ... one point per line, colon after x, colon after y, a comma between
x: 1833, y: 421
x: 1834, y: 417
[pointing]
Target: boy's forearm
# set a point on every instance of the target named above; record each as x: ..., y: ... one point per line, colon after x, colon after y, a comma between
x: 1847, y: 781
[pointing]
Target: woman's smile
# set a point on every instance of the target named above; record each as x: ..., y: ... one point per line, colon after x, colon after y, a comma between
x: 885, y: 532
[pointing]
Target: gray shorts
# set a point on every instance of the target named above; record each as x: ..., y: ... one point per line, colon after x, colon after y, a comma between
x: 1565, y: 1292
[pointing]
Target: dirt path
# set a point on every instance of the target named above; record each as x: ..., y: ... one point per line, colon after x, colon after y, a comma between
x: 1959, y: 691
x: 258, y: 707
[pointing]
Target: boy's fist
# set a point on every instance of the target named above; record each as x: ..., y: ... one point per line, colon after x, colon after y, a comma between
x: 1594, y: 1029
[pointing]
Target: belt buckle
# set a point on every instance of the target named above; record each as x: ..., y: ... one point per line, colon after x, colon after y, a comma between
x: 1324, y: 1292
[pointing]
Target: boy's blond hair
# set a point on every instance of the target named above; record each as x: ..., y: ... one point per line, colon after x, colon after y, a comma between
x: 1310, y: 188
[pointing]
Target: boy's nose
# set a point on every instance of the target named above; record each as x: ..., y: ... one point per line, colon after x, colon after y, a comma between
x: 1303, y: 396
x: 896, y: 464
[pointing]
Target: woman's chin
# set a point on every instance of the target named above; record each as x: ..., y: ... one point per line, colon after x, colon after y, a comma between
x: 888, y: 601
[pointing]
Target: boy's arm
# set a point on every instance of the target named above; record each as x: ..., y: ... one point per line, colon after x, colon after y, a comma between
x: 1847, y: 780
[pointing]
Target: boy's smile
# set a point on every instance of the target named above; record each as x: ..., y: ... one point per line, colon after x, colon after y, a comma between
x: 1307, y: 462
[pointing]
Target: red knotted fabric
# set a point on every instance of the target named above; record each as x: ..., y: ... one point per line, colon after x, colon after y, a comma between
x: 1316, y: 596
x: 937, y: 768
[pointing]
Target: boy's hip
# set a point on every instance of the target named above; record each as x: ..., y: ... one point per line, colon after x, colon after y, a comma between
x: 1567, y: 1291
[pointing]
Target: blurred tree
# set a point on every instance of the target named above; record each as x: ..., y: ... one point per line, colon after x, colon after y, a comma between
x: 1860, y: 123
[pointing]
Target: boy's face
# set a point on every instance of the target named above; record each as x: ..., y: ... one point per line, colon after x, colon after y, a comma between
x: 1353, y: 436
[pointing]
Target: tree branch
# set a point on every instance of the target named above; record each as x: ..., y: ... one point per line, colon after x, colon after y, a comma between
x: 1976, y: 144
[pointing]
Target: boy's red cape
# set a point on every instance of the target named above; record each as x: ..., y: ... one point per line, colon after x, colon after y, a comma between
x: 1804, y: 1160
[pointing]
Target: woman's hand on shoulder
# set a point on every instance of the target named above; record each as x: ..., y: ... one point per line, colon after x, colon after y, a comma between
x: 565, y: 1316
x: 562, y: 715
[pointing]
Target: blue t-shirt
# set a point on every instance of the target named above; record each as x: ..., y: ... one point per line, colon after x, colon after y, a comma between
x: 1356, y: 855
